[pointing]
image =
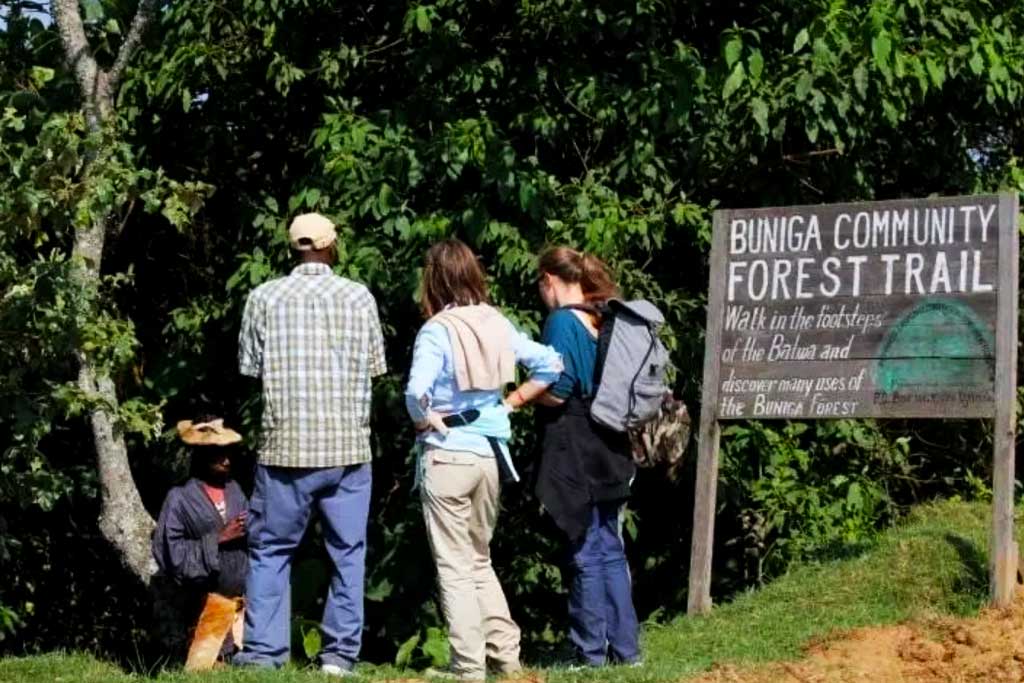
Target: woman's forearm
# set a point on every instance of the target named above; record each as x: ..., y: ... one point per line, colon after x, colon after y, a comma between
x: 550, y: 400
x: 526, y: 392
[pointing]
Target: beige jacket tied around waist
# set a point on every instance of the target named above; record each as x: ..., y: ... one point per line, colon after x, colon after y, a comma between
x: 484, y: 360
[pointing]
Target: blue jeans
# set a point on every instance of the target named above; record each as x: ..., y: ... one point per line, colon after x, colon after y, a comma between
x: 602, y: 620
x: 282, y: 501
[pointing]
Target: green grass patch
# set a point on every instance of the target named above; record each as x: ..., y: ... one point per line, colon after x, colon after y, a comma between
x: 935, y: 562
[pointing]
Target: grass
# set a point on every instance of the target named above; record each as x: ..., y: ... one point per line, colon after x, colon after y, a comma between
x: 933, y: 563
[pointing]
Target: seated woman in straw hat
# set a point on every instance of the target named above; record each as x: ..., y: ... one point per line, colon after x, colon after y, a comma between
x: 200, y: 541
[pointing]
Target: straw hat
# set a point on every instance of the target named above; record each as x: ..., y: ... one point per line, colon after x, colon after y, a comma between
x: 212, y: 433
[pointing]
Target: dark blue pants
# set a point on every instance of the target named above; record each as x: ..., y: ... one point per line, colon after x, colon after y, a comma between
x: 282, y: 501
x: 602, y: 620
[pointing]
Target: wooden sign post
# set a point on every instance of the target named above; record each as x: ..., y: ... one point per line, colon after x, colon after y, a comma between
x: 883, y: 309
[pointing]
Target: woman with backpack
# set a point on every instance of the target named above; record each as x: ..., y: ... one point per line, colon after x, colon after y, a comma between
x: 463, y: 358
x: 586, y: 469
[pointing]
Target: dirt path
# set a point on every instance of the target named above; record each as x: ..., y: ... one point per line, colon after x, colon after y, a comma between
x: 988, y: 648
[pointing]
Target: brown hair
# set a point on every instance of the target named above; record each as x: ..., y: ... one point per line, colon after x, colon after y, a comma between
x: 451, y: 276
x: 574, y: 266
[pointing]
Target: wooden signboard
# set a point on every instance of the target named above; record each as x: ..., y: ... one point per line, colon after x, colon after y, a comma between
x: 883, y: 309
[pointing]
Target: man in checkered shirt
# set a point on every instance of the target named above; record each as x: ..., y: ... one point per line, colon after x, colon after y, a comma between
x: 315, y: 341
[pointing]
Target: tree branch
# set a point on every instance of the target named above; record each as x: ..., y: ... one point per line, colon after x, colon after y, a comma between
x: 140, y: 22
x: 800, y: 157
x: 97, y: 85
x: 76, y: 48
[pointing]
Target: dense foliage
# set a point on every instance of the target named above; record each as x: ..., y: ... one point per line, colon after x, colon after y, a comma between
x: 613, y: 126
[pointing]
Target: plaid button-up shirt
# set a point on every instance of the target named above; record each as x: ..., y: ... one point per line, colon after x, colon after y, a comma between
x: 315, y: 340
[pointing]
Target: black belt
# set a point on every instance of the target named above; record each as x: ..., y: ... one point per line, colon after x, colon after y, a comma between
x: 470, y: 416
x: 461, y: 419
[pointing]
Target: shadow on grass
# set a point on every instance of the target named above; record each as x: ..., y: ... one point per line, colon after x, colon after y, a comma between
x: 972, y: 582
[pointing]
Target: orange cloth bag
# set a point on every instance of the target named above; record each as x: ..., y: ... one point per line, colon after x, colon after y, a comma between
x: 220, y: 616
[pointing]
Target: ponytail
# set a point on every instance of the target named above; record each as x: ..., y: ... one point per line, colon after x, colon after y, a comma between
x: 573, y: 266
x: 596, y: 280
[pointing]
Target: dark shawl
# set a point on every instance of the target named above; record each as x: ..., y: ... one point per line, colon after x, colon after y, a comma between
x: 185, y: 542
x: 582, y: 463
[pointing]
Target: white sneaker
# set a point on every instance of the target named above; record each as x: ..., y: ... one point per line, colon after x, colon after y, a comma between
x: 336, y: 671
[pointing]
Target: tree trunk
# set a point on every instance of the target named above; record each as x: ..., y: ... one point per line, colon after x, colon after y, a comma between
x: 124, y: 520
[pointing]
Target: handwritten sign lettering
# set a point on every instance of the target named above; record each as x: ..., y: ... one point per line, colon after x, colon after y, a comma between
x: 883, y: 309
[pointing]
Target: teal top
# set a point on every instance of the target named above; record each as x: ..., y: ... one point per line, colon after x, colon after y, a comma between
x: 567, y: 335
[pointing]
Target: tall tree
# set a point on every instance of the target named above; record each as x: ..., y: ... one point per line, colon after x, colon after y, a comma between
x: 123, y: 519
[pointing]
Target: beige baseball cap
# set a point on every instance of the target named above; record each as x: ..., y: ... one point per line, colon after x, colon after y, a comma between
x: 311, y: 231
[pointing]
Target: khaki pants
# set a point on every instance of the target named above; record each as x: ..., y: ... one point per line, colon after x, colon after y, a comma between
x: 460, y: 506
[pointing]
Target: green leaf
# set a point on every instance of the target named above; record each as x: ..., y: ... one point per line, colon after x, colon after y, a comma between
x: 801, y: 39
x: 380, y: 591
x: 436, y: 646
x: 881, y: 47
x: 977, y: 63
x: 422, y: 19
x: 936, y: 72
x: 900, y: 64
x: 812, y: 132
x: 93, y: 10
x: 527, y: 195
x: 40, y: 75
x: 186, y: 99
x: 311, y: 643
x: 312, y: 197
x: 854, y: 497
x: 734, y: 81
x: 732, y: 50
x: 891, y: 113
x: 755, y: 63
x: 760, y: 111
x: 404, y: 655
x: 112, y: 27
x: 629, y: 525
x: 860, y: 80
x: 803, y: 85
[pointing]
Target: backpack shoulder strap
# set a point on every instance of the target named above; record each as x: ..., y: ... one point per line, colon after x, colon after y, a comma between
x: 606, y: 314
x: 607, y: 311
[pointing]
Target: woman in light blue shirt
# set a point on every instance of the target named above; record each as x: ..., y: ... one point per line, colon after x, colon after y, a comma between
x: 463, y: 358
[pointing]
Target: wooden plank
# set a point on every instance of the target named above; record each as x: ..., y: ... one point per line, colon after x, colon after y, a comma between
x: 1003, y: 569
x: 706, y: 485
